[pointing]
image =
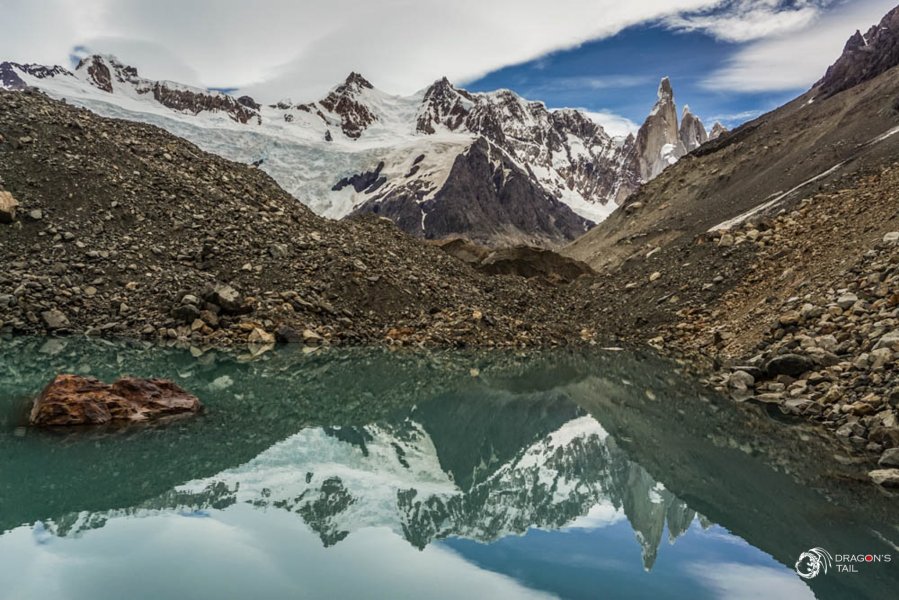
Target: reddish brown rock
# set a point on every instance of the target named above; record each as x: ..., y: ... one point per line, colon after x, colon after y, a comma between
x: 8, y: 206
x: 77, y: 400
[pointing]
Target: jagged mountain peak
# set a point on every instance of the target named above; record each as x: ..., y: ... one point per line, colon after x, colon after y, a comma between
x: 864, y: 57
x: 717, y: 130
x: 355, y: 81
x: 658, y: 143
x: 692, y: 133
x: 102, y: 70
x: 351, y: 102
x: 666, y: 91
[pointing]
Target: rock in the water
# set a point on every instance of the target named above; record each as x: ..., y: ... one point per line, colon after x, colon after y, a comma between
x: 77, y: 400
x: 885, y: 477
x: 792, y: 365
x: 8, y: 206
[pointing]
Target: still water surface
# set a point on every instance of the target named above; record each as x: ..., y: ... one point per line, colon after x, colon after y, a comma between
x: 370, y: 474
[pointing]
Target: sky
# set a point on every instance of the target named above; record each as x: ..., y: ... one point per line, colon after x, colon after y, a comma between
x: 729, y: 60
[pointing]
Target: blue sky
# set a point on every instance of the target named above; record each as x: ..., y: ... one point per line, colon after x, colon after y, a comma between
x: 621, y: 75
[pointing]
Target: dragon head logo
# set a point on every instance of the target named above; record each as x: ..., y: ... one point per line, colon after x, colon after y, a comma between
x: 813, y: 562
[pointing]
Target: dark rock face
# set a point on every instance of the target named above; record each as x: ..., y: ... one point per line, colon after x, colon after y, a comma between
x: 76, y: 400
x: 99, y: 73
x: 487, y: 198
x: 864, y: 57
x: 363, y: 182
x: 190, y: 101
x: 249, y: 102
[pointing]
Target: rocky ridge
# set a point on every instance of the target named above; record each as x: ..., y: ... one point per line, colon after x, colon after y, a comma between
x: 864, y: 57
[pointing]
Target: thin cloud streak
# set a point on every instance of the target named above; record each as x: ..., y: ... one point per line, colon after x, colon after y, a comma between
x: 796, y: 61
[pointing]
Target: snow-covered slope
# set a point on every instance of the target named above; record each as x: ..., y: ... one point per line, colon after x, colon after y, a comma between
x: 360, y: 150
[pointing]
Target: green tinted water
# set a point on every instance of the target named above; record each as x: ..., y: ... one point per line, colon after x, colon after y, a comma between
x: 370, y: 474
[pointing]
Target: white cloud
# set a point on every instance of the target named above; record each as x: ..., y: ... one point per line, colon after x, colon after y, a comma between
x: 797, y: 60
x: 737, y: 581
x: 302, y: 48
x: 745, y: 20
x: 615, y: 125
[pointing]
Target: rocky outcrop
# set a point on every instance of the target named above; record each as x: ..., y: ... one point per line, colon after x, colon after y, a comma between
x: 344, y: 101
x: 8, y: 206
x: 864, y: 57
x: 658, y: 142
x: 75, y: 400
x: 528, y: 262
x: 11, y: 80
x: 443, y: 106
x: 692, y: 133
x: 522, y: 261
x: 187, y: 100
x: 717, y: 131
x: 367, y: 182
x: 98, y: 72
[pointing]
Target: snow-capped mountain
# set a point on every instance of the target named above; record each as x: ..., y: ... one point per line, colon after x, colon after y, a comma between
x: 490, y: 166
x: 394, y: 475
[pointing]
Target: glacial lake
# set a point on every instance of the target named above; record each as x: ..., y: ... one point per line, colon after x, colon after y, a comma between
x: 377, y: 474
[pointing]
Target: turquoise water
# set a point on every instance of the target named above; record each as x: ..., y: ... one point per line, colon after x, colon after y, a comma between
x: 371, y: 474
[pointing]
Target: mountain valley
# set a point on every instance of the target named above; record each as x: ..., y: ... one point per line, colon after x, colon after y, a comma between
x: 764, y: 258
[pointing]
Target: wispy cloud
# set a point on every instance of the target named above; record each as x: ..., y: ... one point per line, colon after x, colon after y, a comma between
x: 737, y: 581
x: 796, y: 61
x: 555, y: 85
x: 737, y: 118
x: 746, y: 20
x: 614, y: 124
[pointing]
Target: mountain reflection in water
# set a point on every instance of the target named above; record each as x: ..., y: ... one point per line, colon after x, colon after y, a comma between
x: 544, y: 474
